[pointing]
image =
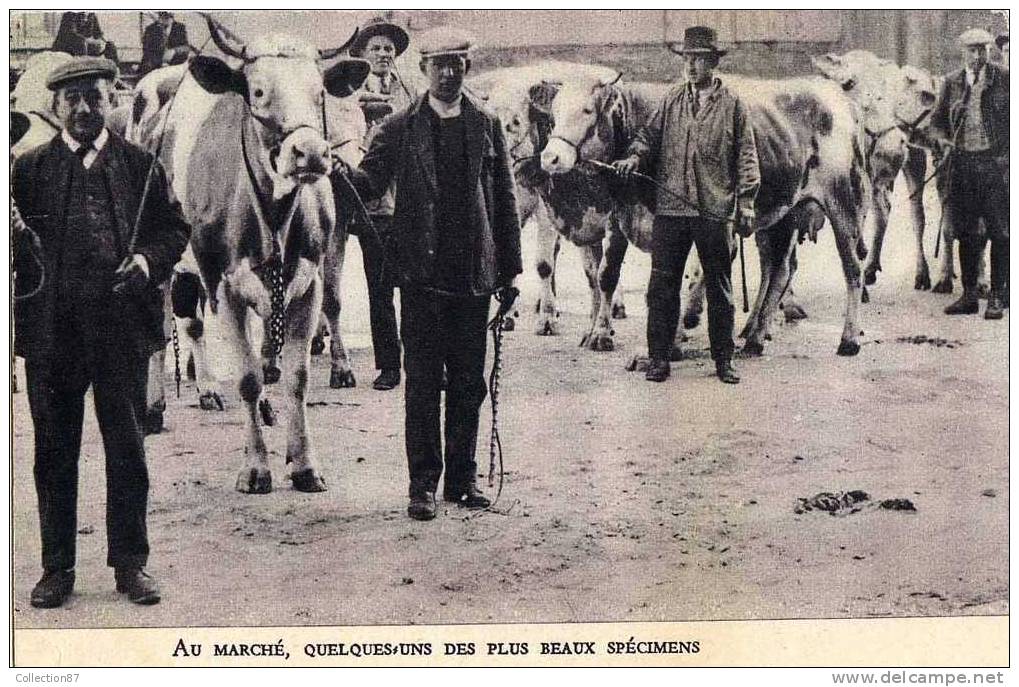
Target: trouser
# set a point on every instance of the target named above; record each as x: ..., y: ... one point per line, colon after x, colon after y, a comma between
x: 977, y: 189
x: 671, y: 240
x: 379, y: 270
x: 89, y: 349
x: 443, y: 332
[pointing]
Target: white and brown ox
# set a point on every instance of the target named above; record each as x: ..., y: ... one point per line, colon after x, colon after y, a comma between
x: 896, y: 104
x: 247, y: 158
x: 810, y: 150
x: 186, y: 298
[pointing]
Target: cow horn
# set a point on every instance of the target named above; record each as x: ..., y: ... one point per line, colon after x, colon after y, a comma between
x: 330, y: 53
x: 619, y: 75
x: 225, y: 40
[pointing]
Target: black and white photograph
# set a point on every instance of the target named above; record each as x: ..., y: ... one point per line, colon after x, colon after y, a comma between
x: 469, y: 317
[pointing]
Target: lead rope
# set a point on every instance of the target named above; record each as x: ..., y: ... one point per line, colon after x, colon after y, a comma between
x: 495, y: 458
x: 176, y: 354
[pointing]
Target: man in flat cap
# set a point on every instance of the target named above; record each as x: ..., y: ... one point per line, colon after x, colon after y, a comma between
x: 457, y: 236
x: 384, y: 92
x: 971, y: 119
x: 699, y: 144
x: 91, y: 317
x: 165, y: 42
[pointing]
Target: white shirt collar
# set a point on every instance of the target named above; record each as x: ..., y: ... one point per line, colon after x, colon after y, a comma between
x: 972, y: 77
x: 74, y: 144
x: 445, y: 110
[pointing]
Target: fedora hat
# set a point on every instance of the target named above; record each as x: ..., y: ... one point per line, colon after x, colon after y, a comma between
x: 699, y: 40
x: 380, y: 27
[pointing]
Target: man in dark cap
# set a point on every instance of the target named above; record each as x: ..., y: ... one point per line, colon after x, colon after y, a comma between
x: 90, y: 317
x: 384, y: 92
x: 971, y: 119
x: 164, y: 42
x: 700, y: 146
x: 457, y: 236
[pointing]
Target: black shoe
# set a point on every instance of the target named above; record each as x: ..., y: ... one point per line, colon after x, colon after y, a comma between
x: 968, y: 304
x: 657, y: 370
x: 995, y: 307
x: 387, y: 380
x: 53, y: 589
x: 422, y: 506
x: 139, y: 586
x: 467, y: 497
x: 726, y: 372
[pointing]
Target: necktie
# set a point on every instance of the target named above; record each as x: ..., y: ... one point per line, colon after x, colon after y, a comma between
x: 83, y: 150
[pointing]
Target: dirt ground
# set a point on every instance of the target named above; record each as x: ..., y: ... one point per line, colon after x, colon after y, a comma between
x: 624, y: 500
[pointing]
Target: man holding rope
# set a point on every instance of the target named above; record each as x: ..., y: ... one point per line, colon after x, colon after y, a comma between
x: 457, y: 236
x: 700, y: 148
x: 101, y: 234
x: 971, y: 120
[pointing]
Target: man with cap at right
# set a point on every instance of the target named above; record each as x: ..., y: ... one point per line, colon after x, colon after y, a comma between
x: 971, y: 119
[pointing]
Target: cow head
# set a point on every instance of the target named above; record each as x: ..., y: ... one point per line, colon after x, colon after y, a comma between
x: 889, y: 96
x: 576, y: 109
x: 284, y: 87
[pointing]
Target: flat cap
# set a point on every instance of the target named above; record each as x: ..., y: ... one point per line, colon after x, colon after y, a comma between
x: 975, y: 37
x: 445, y: 41
x: 79, y: 68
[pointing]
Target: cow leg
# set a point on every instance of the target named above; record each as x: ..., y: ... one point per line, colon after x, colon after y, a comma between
x: 547, y: 323
x: 915, y: 169
x: 750, y: 332
x: 776, y: 245
x: 592, y: 256
x: 155, y: 395
x: 792, y: 310
x: 243, y: 328
x: 318, y: 342
x: 846, y: 229
x: 695, y: 298
x: 341, y: 376
x: 302, y: 318
x: 187, y: 298
x: 882, y: 205
x: 607, y: 281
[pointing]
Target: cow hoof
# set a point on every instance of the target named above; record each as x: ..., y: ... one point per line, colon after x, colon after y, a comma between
x: 153, y: 421
x: 308, y: 481
x: 865, y: 296
x: 602, y: 343
x: 318, y: 346
x: 254, y: 481
x: 210, y: 400
x: 548, y: 326
x: 271, y: 373
x: 267, y: 412
x: 342, y: 379
x: 752, y: 349
x: 848, y: 348
x: 943, y: 286
x: 618, y: 311
x: 691, y: 320
x: 509, y: 323
x: 922, y: 282
x: 870, y: 276
x: 190, y: 370
x: 793, y: 312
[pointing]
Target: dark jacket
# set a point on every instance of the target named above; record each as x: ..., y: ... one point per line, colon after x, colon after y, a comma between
x: 402, y: 150
x: 709, y: 159
x: 155, y: 42
x: 40, y: 184
x: 948, y: 112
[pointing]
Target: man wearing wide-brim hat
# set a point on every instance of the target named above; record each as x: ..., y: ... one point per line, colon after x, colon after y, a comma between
x: 91, y: 315
x: 457, y: 236
x: 384, y: 91
x: 971, y: 119
x: 700, y: 147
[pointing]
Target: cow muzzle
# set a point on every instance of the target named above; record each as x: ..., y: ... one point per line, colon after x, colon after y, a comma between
x: 303, y: 156
x: 558, y: 157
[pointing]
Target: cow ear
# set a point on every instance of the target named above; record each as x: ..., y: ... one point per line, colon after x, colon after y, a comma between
x: 20, y: 124
x: 345, y: 77
x: 542, y: 95
x: 213, y: 75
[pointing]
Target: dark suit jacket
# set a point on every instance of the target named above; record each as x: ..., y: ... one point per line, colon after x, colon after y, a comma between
x: 402, y: 150
x: 154, y: 45
x: 40, y: 184
x: 994, y: 107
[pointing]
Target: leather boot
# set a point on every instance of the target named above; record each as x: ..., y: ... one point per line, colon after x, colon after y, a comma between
x: 139, y: 586
x: 995, y: 307
x: 726, y: 372
x: 53, y: 589
x: 422, y: 505
x: 387, y: 379
x: 657, y: 370
x: 466, y: 497
x: 968, y: 304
